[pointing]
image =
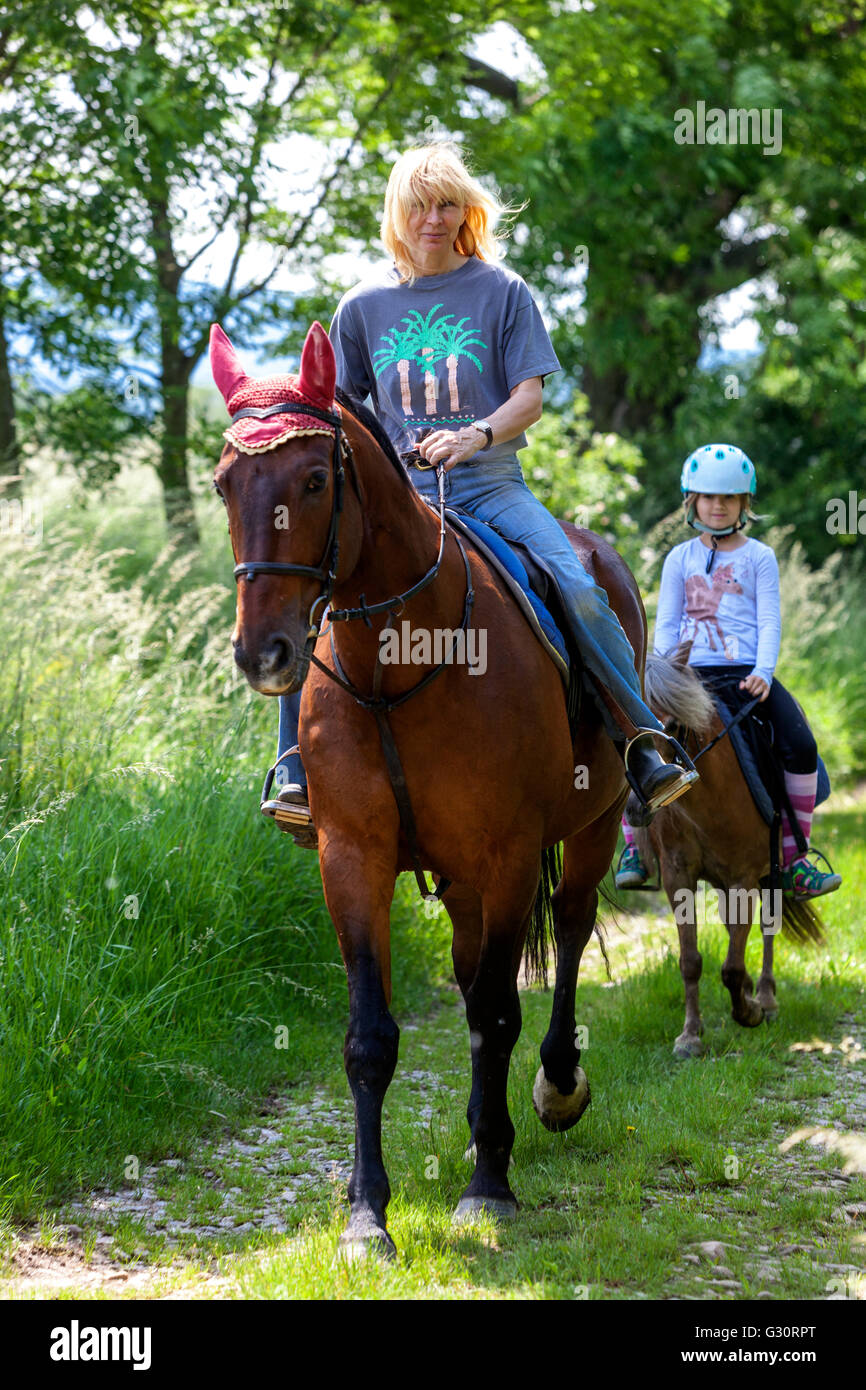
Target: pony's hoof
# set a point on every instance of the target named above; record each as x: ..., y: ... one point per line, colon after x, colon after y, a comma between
x: 771, y: 1014
x: 752, y: 1015
x: 556, y: 1111
x: 367, y: 1245
x: 470, y: 1208
x: 687, y: 1045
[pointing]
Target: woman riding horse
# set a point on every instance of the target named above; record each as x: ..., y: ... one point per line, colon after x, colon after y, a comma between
x: 452, y: 351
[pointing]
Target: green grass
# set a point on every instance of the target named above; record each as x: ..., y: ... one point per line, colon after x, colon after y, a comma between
x: 155, y: 934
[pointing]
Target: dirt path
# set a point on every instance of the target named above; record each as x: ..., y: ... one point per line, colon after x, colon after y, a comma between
x: 176, y: 1232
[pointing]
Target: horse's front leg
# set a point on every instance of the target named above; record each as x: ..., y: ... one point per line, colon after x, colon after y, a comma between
x: 733, y: 907
x: 359, y: 901
x: 681, y: 886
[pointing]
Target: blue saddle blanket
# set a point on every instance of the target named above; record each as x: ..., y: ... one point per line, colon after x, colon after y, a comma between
x: 749, y: 766
x: 499, y: 551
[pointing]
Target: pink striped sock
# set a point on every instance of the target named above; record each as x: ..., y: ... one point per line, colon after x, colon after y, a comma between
x: 627, y: 832
x: 802, y: 788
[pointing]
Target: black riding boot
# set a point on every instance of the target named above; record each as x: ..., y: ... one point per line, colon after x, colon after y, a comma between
x: 290, y: 807
x: 654, y: 782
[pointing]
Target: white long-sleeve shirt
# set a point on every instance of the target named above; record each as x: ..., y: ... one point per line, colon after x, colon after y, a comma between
x: 732, y: 613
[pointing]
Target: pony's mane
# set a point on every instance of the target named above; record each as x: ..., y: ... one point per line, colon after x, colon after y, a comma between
x: 366, y: 418
x: 674, y: 691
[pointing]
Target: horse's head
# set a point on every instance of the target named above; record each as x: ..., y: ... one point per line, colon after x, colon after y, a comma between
x: 280, y: 477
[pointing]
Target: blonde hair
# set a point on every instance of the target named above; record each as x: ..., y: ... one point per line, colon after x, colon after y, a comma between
x: 691, y: 497
x: 437, y: 173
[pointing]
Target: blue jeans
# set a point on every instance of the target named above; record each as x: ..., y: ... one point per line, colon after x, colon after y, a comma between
x: 494, y: 491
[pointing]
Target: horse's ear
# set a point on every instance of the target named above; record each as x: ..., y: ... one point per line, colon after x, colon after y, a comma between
x: 318, y: 368
x: 225, y: 364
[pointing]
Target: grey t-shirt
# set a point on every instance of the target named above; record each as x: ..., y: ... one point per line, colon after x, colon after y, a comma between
x: 442, y: 352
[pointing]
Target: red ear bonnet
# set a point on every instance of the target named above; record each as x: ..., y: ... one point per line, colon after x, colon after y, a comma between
x: 314, y: 384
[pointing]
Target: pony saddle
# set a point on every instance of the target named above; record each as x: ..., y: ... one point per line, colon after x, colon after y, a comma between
x: 752, y: 742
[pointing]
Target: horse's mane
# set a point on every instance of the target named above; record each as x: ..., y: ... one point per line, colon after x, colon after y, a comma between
x: 366, y: 418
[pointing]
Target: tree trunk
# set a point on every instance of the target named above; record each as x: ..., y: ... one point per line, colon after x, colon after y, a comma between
x: 176, y: 368
x: 10, y: 453
x: 172, y: 466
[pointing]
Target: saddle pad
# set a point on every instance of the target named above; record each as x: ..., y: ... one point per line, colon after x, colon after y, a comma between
x: 749, y: 766
x: 499, y: 554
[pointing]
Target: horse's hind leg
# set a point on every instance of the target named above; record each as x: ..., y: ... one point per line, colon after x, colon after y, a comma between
x: 736, y: 912
x: 493, y: 1015
x: 766, y: 991
x: 561, y: 1091
x: 464, y: 909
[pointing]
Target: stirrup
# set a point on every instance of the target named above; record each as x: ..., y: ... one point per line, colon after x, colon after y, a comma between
x: 663, y: 797
x: 288, y: 816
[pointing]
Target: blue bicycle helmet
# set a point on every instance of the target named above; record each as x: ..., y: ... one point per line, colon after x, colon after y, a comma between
x: 715, y: 469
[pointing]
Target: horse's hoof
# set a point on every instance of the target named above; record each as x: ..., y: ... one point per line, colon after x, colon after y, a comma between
x: 470, y: 1208
x: 376, y: 1245
x: 556, y: 1111
x: 771, y: 1013
x: 687, y: 1045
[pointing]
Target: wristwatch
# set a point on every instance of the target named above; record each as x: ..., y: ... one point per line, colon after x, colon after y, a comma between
x: 486, y: 429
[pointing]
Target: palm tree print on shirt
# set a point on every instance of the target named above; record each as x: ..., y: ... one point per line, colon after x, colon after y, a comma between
x: 428, y: 341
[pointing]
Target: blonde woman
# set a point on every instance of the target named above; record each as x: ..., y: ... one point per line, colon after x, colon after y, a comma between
x: 452, y: 352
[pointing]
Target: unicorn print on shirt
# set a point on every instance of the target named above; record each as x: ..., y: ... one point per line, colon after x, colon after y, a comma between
x: 702, y: 606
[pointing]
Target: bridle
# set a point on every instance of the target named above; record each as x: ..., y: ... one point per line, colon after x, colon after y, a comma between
x: 326, y: 570
x: 326, y: 573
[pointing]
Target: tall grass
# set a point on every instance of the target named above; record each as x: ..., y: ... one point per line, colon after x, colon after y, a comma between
x: 156, y: 935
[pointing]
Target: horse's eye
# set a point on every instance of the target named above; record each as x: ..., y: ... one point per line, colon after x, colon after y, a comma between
x: 317, y: 482
x: 219, y: 493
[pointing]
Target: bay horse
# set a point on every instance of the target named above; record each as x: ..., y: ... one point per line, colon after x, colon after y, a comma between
x: 488, y: 761
x: 716, y: 834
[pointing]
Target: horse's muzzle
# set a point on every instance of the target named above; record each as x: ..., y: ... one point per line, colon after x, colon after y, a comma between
x: 274, y: 666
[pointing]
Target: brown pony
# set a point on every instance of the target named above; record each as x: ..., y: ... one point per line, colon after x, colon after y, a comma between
x: 489, y: 764
x: 716, y: 834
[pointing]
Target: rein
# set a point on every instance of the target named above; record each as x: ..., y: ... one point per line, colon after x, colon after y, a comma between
x: 326, y: 573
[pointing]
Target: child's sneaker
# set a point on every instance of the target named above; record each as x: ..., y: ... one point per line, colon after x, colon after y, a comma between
x: 800, y: 879
x: 630, y: 872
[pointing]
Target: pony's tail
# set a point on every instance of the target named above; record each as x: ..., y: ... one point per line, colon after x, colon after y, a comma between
x: 801, y: 923
x: 540, y: 939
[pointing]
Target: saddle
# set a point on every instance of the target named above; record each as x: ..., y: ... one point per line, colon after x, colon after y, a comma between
x: 752, y: 741
x: 529, y: 579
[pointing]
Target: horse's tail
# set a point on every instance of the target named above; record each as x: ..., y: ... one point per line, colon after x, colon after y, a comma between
x: 540, y: 939
x: 673, y: 691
